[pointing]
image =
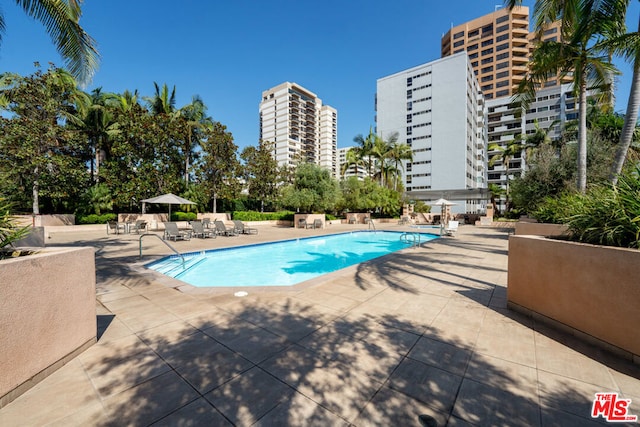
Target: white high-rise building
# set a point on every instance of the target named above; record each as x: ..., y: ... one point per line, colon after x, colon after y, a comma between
x: 438, y: 110
x: 302, y: 129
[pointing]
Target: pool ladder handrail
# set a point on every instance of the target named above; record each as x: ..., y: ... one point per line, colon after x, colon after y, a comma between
x: 416, y: 242
x: 166, y: 243
x: 371, y: 224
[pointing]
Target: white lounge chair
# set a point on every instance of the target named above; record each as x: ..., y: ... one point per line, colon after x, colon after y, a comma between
x: 198, y: 230
x: 171, y: 231
x: 451, y: 228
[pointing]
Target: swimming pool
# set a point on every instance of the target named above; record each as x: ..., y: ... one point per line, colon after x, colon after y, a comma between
x: 283, y: 263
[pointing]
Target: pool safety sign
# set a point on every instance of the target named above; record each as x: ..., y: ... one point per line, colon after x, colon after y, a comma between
x: 612, y: 408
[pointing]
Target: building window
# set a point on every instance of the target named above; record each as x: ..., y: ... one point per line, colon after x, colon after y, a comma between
x: 501, y: 19
x: 502, y: 74
x: 487, y: 30
x: 502, y: 93
x: 458, y: 43
x: 502, y: 83
x: 502, y: 47
x: 487, y: 69
x: 487, y: 51
x: 409, y: 81
x: 458, y: 51
x: 487, y: 78
x: 487, y: 87
x: 473, y: 33
x: 551, y: 31
x: 503, y: 55
x: 502, y: 37
x: 473, y: 55
x: 502, y: 65
x: 409, y: 106
x: 474, y: 63
x: 487, y: 60
x: 502, y: 28
x: 409, y: 94
x: 458, y: 35
x: 409, y: 130
x: 487, y: 42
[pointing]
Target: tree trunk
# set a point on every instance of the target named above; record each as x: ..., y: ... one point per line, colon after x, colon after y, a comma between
x: 630, y: 120
x: 35, y: 189
x: 215, y: 203
x: 582, y: 138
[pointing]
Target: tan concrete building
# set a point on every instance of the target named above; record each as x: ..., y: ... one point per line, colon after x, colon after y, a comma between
x: 499, y: 45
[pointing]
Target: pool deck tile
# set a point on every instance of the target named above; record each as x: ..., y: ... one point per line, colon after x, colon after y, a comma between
x: 422, y: 331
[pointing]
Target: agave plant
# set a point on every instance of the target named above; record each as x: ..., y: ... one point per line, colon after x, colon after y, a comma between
x: 10, y: 231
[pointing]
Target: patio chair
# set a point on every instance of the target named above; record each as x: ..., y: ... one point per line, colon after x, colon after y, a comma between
x: 206, y: 222
x: 223, y: 230
x: 171, y: 231
x: 352, y: 220
x: 302, y: 223
x: 243, y: 229
x: 317, y: 223
x: 451, y: 228
x: 115, y: 227
x: 140, y: 225
x: 404, y: 220
x: 198, y: 230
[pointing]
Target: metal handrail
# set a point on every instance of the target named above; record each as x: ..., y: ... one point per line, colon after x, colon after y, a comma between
x: 406, y: 235
x: 163, y: 241
x: 371, y: 224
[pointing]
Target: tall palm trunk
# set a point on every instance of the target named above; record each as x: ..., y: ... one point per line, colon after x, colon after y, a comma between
x: 36, y: 192
x: 582, y: 137
x: 630, y: 119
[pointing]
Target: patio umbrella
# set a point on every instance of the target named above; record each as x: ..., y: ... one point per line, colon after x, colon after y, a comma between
x: 167, y: 199
x: 443, y: 203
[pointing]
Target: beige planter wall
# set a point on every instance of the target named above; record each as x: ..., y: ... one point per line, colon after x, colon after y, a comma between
x: 540, y: 229
x: 591, y: 289
x: 47, y: 315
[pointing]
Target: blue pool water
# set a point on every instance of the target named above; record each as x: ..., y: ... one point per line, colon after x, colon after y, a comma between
x: 282, y: 263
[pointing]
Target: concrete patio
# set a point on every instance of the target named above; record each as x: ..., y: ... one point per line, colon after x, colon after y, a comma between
x: 421, y: 331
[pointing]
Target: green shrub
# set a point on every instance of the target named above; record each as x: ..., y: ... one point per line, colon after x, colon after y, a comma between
x: 183, y: 216
x: 96, y: 219
x: 262, y: 216
x: 10, y: 231
x: 330, y: 217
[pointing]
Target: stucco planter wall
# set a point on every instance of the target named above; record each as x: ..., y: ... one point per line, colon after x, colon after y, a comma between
x: 47, y: 315
x: 540, y: 229
x: 593, y: 290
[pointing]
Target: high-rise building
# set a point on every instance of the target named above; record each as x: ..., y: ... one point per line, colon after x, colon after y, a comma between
x: 498, y: 47
x: 438, y: 110
x: 301, y: 128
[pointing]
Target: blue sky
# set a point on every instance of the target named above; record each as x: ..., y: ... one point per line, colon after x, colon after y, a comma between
x: 229, y: 51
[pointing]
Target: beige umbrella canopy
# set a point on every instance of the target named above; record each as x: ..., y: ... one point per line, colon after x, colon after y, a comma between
x: 167, y: 199
x: 444, y: 204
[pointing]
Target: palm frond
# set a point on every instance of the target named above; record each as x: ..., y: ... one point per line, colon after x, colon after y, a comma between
x: 61, y: 20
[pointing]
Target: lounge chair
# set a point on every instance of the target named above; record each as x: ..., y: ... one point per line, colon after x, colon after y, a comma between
x: 317, y: 223
x: 171, y: 232
x: 198, y: 230
x: 404, y: 220
x: 352, y: 220
x: 206, y: 222
x: 115, y: 227
x: 451, y: 228
x: 243, y: 229
x: 223, y: 230
x: 140, y: 225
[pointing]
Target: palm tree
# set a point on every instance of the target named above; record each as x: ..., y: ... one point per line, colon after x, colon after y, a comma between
x: 162, y: 102
x: 60, y: 19
x: 95, y: 119
x: 398, y: 152
x: 575, y: 55
x: 351, y: 159
x: 196, y: 118
x: 505, y: 154
x: 379, y: 152
x: 628, y: 46
x: 364, y: 150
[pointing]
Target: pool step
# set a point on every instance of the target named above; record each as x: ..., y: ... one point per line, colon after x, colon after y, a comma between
x: 173, y: 266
